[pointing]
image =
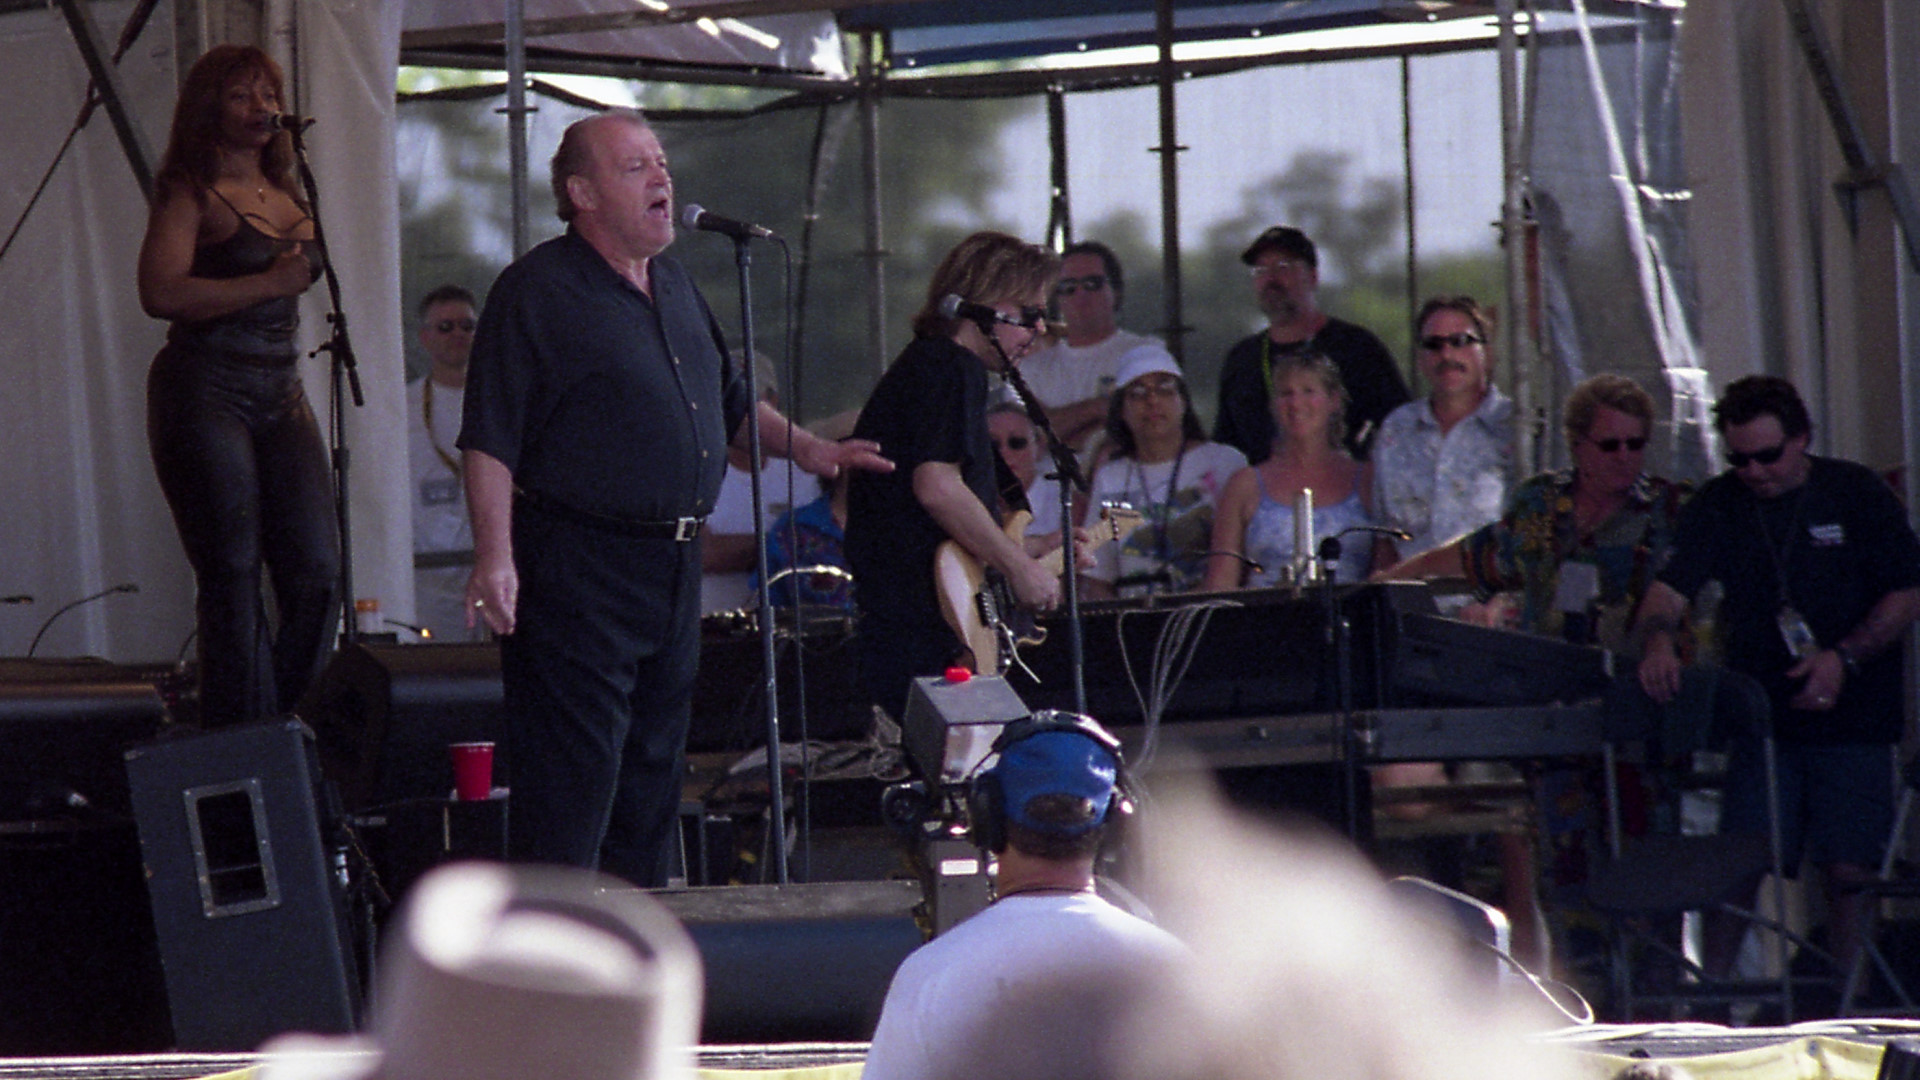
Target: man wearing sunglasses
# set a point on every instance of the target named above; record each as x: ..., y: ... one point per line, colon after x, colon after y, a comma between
x: 1073, y: 377
x: 1286, y: 282
x: 1017, y: 444
x: 1579, y: 545
x: 1822, y: 576
x: 1443, y: 464
x: 442, y: 535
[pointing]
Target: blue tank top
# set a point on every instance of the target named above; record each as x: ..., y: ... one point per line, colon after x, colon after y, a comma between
x: 263, y: 329
x: 1270, y: 537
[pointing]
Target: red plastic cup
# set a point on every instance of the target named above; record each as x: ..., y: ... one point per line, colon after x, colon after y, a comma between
x: 472, y: 770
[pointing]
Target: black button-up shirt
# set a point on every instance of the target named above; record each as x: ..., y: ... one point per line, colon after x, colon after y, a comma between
x: 597, y: 396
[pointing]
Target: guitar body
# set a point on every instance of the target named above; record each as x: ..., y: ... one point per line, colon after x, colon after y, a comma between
x: 979, y: 605
x: 974, y: 601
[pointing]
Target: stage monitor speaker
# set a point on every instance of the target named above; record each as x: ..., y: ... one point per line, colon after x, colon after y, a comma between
x: 797, y: 963
x: 251, y: 920
x: 384, y: 714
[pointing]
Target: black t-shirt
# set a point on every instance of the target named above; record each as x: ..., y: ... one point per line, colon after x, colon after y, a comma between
x: 1374, y: 387
x: 597, y: 396
x: 1844, y: 541
x: 931, y: 405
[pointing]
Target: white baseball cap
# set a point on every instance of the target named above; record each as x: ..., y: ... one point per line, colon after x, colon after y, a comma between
x: 1149, y: 359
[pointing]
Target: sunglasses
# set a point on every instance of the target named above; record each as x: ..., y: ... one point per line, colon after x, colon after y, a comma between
x: 1069, y: 286
x: 1141, y: 391
x: 1436, y: 342
x: 1613, y: 446
x: 1011, y: 442
x: 1274, y: 268
x: 1764, y: 457
x: 448, y: 326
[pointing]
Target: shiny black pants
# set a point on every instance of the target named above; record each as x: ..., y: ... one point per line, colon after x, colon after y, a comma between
x: 243, y: 467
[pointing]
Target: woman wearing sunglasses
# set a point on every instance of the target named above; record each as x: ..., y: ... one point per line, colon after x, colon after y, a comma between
x: 1587, y: 538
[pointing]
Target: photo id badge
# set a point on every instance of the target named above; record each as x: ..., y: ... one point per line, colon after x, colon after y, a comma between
x: 1795, y: 632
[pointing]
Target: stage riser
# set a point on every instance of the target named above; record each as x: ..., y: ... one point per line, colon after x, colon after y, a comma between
x: 384, y: 714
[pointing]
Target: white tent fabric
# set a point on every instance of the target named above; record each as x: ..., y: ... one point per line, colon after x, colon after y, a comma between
x: 1785, y: 286
x: 83, y: 510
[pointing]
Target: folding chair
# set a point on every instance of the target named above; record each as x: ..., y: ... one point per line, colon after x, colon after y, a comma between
x: 1648, y: 883
x: 1894, y: 881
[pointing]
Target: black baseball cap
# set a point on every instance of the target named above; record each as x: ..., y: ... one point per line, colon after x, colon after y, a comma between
x: 1289, y: 240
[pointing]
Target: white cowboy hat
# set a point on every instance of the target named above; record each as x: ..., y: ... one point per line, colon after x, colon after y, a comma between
x: 519, y: 973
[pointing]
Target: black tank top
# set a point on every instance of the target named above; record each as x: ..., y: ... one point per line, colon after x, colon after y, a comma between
x: 265, y: 329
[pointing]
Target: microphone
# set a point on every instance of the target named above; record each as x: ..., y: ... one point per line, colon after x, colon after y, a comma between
x: 123, y: 587
x: 289, y: 122
x: 699, y: 217
x: 956, y: 306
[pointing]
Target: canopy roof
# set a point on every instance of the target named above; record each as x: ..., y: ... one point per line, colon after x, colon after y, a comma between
x: 804, y: 37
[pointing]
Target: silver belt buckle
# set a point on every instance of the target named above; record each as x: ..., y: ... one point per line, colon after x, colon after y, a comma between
x: 685, y: 529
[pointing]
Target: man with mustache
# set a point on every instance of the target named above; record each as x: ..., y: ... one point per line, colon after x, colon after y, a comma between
x: 1286, y: 282
x: 1442, y: 465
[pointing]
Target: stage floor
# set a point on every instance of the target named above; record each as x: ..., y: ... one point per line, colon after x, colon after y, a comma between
x: 1822, y: 1050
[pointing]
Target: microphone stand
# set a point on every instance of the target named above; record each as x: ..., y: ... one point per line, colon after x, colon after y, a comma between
x: 345, y: 375
x: 1340, y: 640
x: 776, y: 796
x: 1067, y: 477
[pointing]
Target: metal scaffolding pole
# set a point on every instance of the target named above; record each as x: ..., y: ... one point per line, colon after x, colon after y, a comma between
x: 876, y: 253
x: 1169, y: 151
x: 1516, y: 335
x: 516, y: 110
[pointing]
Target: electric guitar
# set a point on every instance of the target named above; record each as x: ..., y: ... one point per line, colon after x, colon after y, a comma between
x: 978, y: 603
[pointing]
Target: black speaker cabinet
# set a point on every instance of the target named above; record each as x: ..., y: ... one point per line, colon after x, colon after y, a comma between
x: 384, y: 715
x: 797, y: 963
x: 250, y: 918
x: 82, y: 972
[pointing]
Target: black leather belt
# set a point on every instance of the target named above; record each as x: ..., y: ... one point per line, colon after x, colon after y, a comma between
x: 680, y: 530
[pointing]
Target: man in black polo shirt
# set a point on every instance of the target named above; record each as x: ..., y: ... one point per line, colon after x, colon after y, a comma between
x: 1822, y: 576
x: 600, y: 404
x: 1286, y: 282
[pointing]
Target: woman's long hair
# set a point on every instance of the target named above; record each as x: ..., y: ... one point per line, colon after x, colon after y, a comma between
x: 193, y: 145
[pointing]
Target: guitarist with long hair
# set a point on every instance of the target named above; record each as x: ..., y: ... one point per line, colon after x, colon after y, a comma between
x: 929, y: 411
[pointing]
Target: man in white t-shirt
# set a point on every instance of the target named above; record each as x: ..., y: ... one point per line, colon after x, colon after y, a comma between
x: 1040, y: 984
x: 442, y: 533
x: 1074, y: 377
x: 728, y: 550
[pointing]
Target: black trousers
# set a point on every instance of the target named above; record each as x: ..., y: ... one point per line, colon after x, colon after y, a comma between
x: 598, y: 679
x: 241, y: 462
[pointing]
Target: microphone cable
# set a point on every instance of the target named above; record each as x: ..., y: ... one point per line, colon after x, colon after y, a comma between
x: 123, y: 587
